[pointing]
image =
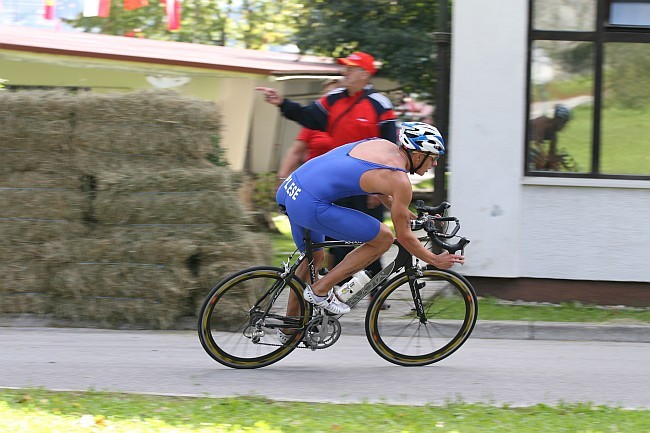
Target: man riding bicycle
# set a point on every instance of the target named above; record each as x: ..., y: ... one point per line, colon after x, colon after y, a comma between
x: 371, y: 166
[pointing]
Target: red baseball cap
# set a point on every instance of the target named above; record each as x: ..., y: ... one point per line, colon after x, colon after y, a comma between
x: 360, y: 59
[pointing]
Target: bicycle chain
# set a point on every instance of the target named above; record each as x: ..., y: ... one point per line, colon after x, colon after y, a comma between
x: 303, y: 346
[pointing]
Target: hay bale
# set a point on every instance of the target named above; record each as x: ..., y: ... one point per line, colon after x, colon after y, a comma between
x: 205, y: 196
x: 180, y: 179
x: 122, y: 245
x: 18, y: 161
x: 200, y: 207
x: 25, y: 302
x: 36, y: 120
x: 109, y: 206
x: 22, y: 231
x: 23, y: 286
x: 119, y: 313
x: 43, y: 204
x: 93, y: 163
x: 151, y: 123
x: 42, y: 179
x: 154, y: 295
x: 221, y: 260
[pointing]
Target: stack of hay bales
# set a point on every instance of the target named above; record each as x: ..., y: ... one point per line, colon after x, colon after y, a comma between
x: 111, y: 213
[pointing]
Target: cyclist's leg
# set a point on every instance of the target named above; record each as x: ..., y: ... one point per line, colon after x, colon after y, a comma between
x: 349, y: 224
x: 298, y: 233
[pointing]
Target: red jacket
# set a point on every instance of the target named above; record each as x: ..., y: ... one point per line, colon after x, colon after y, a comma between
x: 346, y: 118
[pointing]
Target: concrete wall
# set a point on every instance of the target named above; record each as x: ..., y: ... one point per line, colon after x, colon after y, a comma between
x: 487, y: 115
x: 577, y: 229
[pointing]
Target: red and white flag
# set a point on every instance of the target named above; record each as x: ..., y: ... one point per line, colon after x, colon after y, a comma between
x: 173, y: 11
x: 97, y: 8
x: 50, y: 8
x: 130, y: 5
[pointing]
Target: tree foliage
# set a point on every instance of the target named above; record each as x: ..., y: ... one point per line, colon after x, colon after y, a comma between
x: 396, y: 32
x: 254, y: 24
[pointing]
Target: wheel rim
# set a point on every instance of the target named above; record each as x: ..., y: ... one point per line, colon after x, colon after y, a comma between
x: 398, y: 336
x: 226, y: 330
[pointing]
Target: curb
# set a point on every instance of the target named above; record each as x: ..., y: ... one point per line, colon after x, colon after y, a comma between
x: 484, y: 329
x: 555, y: 331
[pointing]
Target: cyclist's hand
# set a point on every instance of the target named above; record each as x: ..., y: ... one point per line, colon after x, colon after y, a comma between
x: 271, y: 95
x: 446, y: 260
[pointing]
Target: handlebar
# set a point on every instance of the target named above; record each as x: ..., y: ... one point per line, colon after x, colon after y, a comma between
x: 431, y: 210
x: 430, y: 220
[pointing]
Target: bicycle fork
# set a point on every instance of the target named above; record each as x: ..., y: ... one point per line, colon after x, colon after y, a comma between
x: 415, y: 287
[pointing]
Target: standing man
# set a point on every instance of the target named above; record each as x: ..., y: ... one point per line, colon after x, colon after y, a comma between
x: 353, y: 112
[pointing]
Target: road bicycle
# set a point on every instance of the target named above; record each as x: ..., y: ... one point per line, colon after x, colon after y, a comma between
x: 432, y: 311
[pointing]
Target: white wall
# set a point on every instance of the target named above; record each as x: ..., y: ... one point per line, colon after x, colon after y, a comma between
x: 487, y: 115
x: 583, y: 229
x: 586, y: 229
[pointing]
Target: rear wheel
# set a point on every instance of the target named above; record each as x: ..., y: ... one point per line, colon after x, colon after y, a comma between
x: 239, y: 319
x: 399, y: 336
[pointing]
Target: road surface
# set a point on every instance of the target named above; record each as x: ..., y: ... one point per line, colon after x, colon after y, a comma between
x: 514, y: 372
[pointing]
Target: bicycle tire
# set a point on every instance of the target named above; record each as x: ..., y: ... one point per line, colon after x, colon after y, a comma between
x: 398, y: 336
x: 226, y: 317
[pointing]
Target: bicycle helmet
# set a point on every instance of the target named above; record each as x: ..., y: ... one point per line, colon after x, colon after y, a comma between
x: 562, y: 112
x: 421, y: 137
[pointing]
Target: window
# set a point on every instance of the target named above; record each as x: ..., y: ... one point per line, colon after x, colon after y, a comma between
x: 629, y: 13
x: 589, y: 90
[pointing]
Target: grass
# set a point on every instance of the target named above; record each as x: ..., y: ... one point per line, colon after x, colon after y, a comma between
x: 495, y: 309
x: 625, y: 149
x: 40, y: 411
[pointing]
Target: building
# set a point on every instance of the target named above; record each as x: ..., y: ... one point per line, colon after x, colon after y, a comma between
x: 40, y: 58
x: 563, y: 232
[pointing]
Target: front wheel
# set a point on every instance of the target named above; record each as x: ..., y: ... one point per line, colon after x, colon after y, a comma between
x: 398, y: 335
x: 239, y: 318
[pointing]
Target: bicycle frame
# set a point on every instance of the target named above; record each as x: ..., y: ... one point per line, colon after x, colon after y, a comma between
x: 404, y: 259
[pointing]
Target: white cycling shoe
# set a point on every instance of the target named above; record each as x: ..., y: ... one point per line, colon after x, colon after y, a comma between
x: 282, y: 337
x: 331, y: 303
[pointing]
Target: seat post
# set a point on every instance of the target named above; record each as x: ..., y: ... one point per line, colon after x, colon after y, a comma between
x: 309, y: 253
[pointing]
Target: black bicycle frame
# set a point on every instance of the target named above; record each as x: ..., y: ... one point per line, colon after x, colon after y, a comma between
x: 404, y: 259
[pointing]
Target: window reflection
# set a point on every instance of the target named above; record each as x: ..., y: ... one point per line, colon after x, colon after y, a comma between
x: 625, y: 115
x: 560, y: 121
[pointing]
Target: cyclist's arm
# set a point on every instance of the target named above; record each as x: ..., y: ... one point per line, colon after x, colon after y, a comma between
x: 401, y: 215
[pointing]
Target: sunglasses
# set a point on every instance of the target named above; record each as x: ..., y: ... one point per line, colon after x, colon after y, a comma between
x: 433, y: 156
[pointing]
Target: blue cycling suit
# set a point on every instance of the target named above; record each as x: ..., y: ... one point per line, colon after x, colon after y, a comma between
x: 309, y: 192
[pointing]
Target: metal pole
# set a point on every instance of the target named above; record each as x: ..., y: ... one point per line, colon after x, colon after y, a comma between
x: 442, y: 39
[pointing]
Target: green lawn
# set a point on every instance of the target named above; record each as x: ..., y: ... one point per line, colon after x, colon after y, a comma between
x: 625, y: 148
x: 40, y: 411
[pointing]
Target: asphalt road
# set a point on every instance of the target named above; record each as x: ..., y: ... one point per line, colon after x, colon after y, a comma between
x: 494, y: 371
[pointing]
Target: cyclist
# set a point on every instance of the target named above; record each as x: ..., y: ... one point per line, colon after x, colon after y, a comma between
x: 371, y: 166
x: 544, y: 129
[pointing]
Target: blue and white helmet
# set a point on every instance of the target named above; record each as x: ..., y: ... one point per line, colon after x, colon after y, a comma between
x: 421, y: 137
x: 562, y: 112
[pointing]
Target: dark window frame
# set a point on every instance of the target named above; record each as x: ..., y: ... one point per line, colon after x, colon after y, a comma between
x: 602, y: 34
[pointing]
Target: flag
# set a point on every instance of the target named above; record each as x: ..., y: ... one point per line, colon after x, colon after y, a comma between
x: 173, y: 11
x: 97, y: 8
x: 130, y: 5
x: 50, y: 6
